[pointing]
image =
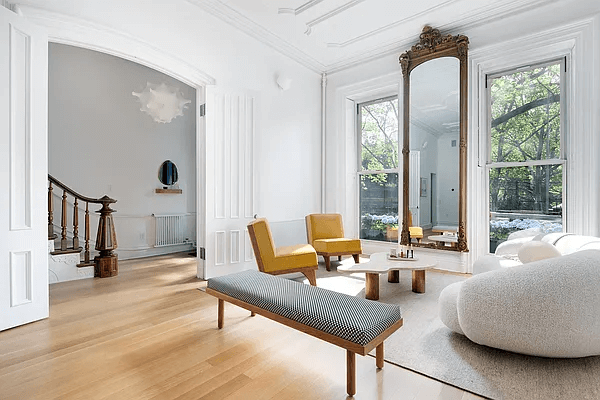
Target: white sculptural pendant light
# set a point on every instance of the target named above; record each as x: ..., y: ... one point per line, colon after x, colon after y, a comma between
x: 162, y: 102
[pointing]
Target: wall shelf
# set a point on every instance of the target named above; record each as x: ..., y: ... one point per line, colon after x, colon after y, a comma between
x: 169, y: 191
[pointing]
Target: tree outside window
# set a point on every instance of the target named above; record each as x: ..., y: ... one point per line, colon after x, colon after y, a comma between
x: 378, y: 171
x: 526, y: 161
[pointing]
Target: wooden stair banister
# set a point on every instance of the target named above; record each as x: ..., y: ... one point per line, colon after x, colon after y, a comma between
x: 106, y: 263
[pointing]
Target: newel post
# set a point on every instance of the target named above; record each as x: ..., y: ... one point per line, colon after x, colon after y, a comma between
x: 106, y: 242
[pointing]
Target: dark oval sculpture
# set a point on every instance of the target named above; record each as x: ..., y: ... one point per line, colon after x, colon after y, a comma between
x: 167, y: 173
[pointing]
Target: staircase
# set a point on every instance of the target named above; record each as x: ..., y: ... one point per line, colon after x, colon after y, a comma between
x: 67, y: 260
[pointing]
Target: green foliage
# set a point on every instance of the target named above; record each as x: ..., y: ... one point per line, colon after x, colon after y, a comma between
x: 525, y: 111
x: 379, y: 138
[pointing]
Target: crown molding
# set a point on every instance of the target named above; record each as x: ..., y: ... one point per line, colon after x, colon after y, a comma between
x: 252, y: 29
x: 300, y: 9
x: 475, y: 20
x: 75, y: 31
x: 330, y: 14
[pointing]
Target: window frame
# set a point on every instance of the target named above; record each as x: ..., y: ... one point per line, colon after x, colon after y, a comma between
x: 489, y: 165
x: 359, y: 171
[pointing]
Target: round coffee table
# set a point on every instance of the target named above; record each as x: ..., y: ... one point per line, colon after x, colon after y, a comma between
x: 380, y: 264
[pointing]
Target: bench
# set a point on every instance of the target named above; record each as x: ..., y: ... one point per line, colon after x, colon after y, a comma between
x: 355, y: 324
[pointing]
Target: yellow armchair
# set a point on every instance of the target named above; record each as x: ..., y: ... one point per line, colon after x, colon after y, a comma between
x: 281, y: 260
x: 415, y: 232
x: 326, y: 234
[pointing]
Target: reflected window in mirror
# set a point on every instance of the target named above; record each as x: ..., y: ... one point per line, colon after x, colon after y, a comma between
x: 434, y: 157
x: 167, y: 173
x: 378, y: 169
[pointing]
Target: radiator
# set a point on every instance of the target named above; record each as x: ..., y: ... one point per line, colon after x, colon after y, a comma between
x: 170, y: 230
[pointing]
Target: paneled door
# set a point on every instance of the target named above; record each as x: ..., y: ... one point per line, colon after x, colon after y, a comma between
x: 23, y: 171
x: 229, y: 182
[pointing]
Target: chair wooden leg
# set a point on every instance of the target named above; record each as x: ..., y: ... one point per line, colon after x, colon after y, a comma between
x: 356, y: 259
x: 311, y: 276
x: 252, y: 313
x: 327, y: 263
x: 221, y: 314
x: 379, y: 356
x: 350, y: 373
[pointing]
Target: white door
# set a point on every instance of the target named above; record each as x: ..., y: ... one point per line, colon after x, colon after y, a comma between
x: 23, y: 171
x: 414, y: 192
x: 229, y: 183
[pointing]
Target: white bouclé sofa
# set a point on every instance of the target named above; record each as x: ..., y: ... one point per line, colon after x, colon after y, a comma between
x: 549, y: 307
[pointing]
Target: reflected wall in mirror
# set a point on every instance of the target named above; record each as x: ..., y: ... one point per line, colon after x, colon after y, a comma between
x: 167, y: 173
x: 434, y: 141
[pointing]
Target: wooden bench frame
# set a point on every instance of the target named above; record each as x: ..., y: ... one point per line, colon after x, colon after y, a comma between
x: 351, y: 348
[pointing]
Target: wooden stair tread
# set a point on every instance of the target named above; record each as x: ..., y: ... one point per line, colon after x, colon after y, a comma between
x: 84, y: 264
x: 67, y: 251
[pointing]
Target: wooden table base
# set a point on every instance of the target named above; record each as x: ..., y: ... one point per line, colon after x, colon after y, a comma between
x: 418, y: 281
x: 372, y: 282
x: 372, y: 286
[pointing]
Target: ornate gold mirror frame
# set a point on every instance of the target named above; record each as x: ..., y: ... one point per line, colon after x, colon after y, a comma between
x: 433, y: 45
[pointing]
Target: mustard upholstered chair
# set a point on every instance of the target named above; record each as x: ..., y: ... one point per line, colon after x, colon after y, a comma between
x: 416, y: 232
x: 326, y: 234
x: 281, y: 260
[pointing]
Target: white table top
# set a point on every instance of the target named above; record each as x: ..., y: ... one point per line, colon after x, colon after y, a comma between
x: 379, y: 263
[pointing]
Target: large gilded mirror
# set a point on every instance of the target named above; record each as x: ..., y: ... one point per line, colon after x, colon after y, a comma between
x: 435, y: 142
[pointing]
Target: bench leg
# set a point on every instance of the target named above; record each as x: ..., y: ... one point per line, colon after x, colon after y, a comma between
x: 350, y: 373
x: 252, y: 313
x: 327, y: 263
x: 221, y: 313
x: 355, y: 256
x: 339, y: 258
x: 311, y: 276
x: 379, y: 356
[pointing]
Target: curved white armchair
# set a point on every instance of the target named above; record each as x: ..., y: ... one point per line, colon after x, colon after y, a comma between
x: 548, y: 308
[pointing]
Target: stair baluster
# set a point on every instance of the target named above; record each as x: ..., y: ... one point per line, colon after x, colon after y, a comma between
x: 51, y: 234
x: 86, y: 254
x: 75, y: 225
x: 63, y: 222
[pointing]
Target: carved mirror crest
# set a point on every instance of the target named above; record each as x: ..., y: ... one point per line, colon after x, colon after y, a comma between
x: 435, y: 141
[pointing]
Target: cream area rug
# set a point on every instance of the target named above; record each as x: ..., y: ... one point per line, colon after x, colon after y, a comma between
x: 426, y: 346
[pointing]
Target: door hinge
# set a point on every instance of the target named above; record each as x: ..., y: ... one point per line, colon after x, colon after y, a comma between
x: 202, y: 110
x: 202, y: 253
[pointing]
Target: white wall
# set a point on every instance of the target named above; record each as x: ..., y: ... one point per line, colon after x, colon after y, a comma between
x: 502, y: 38
x: 99, y: 142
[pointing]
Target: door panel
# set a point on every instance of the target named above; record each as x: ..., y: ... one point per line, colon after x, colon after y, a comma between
x: 229, y: 182
x: 23, y: 154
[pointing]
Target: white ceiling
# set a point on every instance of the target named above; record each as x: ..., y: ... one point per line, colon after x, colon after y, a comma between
x: 331, y: 35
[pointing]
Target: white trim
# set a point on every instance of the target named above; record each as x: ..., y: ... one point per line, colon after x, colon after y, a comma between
x: 78, y: 32
x: 576, y: 41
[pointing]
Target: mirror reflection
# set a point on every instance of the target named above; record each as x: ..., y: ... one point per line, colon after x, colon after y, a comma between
x: 167, y: 173
x: 434, y: 151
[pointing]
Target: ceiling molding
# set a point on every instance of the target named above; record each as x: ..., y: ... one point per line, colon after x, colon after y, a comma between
x: 470, y: 22
x: 331, y: 14
x: 251, y: 28
x: 389, y: 26
x: 300, y: 9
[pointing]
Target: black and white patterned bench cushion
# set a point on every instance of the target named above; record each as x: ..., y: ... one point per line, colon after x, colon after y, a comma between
x: 351, y: 318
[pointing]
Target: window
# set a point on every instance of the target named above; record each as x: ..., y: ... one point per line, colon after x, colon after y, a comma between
x: 378, y: 169
x: 526, y: 156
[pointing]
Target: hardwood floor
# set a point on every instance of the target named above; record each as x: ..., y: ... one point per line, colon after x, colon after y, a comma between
x: 150, y: 334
